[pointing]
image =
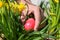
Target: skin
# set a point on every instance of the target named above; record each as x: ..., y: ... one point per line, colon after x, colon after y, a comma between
x: 37, y: 11
x: 1, y: 38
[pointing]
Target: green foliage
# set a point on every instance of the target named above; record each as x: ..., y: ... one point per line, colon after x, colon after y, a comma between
x: 12, y: 27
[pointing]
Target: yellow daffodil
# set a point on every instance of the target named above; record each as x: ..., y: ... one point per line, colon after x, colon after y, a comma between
x: 21, y: 6
x: 11, y: 4
x: 15, y: 5
x: 1, y: 3
x: 57, y: 1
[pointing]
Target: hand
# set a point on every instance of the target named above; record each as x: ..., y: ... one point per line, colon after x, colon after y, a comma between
x: 38, y: 15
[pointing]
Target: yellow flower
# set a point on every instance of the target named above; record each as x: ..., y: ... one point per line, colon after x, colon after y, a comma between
x: 11, y: 4
x: 57, y: 1
x: 1, y: 3
x: 15, y: 5
x: 21, y: 6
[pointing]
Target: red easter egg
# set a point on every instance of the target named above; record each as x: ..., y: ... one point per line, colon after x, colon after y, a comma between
x: 29, y: 25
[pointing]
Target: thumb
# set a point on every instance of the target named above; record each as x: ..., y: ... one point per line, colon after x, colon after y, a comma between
x: 35, y: 29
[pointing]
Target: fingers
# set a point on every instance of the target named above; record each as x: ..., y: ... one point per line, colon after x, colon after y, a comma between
x: 23, y: 15
x: 22, y: 18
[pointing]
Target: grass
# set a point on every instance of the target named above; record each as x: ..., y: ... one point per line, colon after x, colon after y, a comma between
x: 11, y: 25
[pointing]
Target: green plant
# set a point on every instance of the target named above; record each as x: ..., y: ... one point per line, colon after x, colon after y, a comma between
x: 13, y: 29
